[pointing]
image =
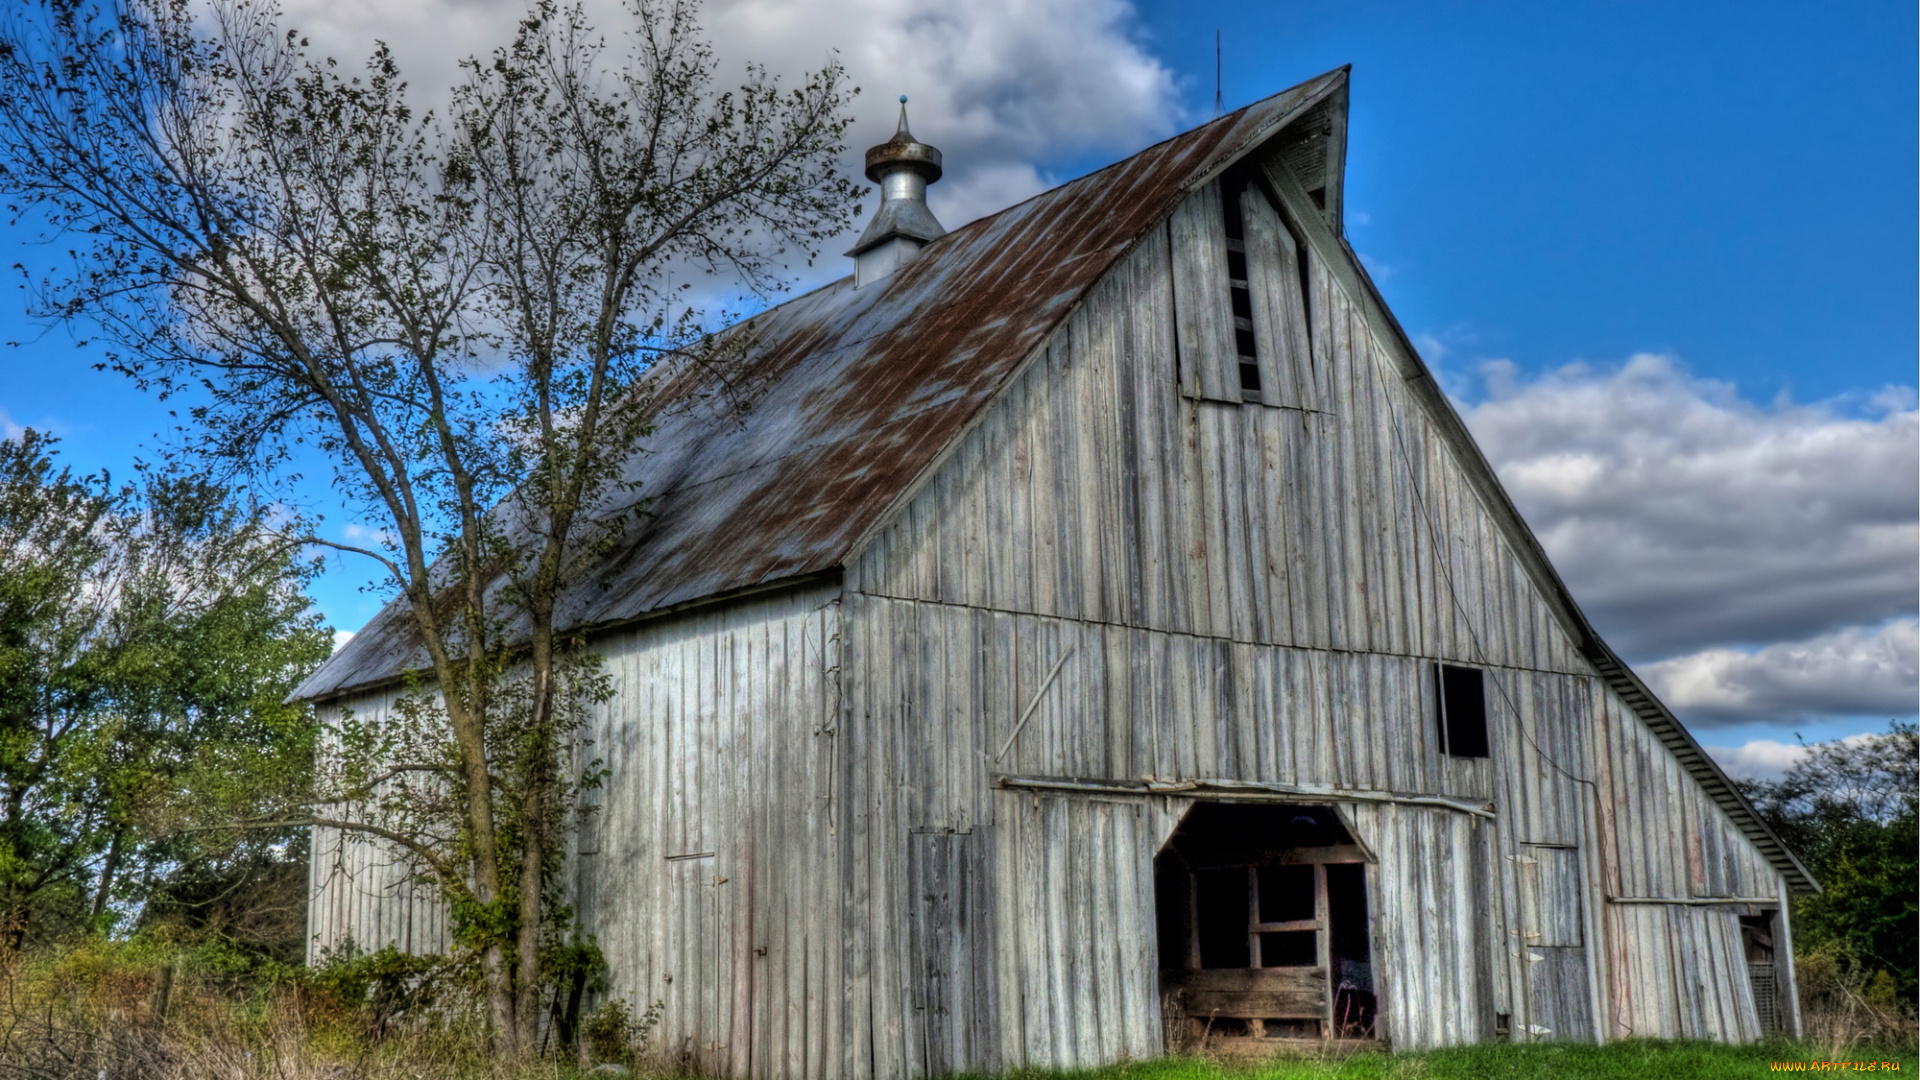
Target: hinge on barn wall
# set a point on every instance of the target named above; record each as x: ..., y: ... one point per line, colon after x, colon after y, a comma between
x: 1534, y: 957
x: 1536, y: 1029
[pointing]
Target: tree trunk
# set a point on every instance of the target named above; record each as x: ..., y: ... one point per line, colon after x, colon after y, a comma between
x: 506, y: 1033
x: 106, y: 873
x: 533, y: 853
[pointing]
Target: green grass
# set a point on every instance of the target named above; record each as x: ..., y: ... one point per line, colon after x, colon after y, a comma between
x: 1640, y: 1059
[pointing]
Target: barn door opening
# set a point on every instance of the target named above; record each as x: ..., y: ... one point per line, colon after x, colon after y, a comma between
x: 1262, y: 915
x: 1757, y: 935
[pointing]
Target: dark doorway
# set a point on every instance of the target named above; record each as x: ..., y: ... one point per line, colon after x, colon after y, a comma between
x: 1763, y: 975
x: 1354, y: 1007
x: 1262, y: 913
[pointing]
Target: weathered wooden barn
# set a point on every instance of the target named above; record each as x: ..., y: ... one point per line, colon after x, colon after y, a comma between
x: 1099, y: 632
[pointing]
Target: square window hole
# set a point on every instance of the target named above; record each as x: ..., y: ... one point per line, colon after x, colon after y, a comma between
x: 1289, y: 948
x: 1286, y: 893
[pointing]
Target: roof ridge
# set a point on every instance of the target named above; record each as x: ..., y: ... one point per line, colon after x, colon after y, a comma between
x: 1150, y: 147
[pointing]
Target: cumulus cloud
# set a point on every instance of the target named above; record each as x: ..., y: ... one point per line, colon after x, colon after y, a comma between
x: 1765, y: 759
x: 1853, y: 672
x: 340, y: 639
x: 1760, y: 759
x: 1005, y: 88
x: 9, y: 430
x: 1690, y: 522
x: 362, y: 536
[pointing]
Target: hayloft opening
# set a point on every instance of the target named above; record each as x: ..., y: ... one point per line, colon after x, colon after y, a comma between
x: 1463, y: 710
x: 1262, y: 915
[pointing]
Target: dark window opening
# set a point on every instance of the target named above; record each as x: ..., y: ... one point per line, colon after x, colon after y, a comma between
x: 1230, y: 186
x: 1232, y: 1027
x: 1290, y: 1029
x: 1290, y: 948
x: 1463, y: 710
x: 1173, y: 904
x: 1763, y: 978
x: 1221, y: 912
x: 1286, y: 893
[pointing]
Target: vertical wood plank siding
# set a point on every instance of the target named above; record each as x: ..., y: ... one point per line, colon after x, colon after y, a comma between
x: 707, y: 871
x: 707, y: 868
x: 1258, y: 594
x: 1096, y: 491
x: 362, y: 893
x: 801, y: 848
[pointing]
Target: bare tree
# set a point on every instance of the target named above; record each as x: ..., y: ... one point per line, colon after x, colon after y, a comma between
x: 458, y: 314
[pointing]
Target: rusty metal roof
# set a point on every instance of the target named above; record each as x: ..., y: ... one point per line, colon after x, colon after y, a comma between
x: 855, y: 393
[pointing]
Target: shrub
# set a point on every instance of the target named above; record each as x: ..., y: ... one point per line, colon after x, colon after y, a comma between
x: 613, y: 1035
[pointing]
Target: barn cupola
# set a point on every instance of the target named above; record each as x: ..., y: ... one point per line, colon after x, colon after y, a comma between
x: 903, y: 167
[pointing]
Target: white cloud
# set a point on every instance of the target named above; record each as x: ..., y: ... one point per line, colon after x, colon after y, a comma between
x: 1686, y: 519
x: 9, y: 430
x: 1760, y: 759
x: 1004, y: 87
x: 1765, y: 759
x: 362, y: 536
x: 1853, y: 672
x: 340, y: 639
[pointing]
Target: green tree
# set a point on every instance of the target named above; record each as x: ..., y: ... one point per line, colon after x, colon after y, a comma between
x: 146, y: 634
x: 1848, y: 808
x: 462, y: 315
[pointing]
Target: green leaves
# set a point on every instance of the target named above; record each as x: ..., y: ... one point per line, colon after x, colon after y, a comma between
x: 469, y: 318
x: 1848, y: 808
x: 148, y: 638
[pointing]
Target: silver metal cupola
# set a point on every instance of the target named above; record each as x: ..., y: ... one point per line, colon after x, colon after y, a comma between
x: 903, y: 167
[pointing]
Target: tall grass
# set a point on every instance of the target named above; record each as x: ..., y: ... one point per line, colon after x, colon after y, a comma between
x: 146, y: 1010
x: 143, y: 1010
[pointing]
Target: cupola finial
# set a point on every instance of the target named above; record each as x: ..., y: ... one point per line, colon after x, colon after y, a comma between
x: 903, y: 166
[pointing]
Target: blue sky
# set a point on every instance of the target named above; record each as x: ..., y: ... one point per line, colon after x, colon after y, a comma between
x: 1731, y: 183
x: 1662, y: 255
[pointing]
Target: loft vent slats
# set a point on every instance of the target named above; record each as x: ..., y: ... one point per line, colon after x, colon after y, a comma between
x: 1240, y: 306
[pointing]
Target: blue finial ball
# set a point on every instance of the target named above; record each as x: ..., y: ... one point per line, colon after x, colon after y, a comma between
x: 903, y: 99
